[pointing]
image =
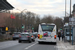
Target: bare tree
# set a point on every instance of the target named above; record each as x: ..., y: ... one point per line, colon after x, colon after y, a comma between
x: 59, y: 22
x: 47, y: 19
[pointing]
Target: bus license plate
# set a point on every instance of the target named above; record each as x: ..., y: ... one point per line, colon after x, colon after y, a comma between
x: 43, y: 38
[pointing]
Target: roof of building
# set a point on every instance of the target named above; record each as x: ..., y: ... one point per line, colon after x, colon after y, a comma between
x: 4, y: 5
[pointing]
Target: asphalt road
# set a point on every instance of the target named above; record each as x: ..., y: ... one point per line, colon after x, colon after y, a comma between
x: 14, y: 45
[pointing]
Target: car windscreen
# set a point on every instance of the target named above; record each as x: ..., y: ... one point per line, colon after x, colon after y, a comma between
x: 47, y: 27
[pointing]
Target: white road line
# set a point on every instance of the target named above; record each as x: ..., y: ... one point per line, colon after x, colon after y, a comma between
x: 31, y: 45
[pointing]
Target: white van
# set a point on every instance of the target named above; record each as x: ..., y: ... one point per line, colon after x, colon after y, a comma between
x: 47, y: 33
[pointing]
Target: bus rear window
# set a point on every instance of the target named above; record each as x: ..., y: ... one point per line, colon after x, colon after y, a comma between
x: 47, y: 27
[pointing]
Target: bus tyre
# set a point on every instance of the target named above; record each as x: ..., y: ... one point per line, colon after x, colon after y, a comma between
x: 55, y: 43
x: 39, y: 42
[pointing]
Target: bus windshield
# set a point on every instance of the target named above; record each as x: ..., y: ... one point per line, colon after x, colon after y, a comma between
x: 47, y: 27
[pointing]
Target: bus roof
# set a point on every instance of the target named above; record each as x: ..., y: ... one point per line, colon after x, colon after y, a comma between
x: 48, y: 23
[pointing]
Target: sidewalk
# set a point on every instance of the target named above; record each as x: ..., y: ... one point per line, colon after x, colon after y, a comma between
x: 61, y: 45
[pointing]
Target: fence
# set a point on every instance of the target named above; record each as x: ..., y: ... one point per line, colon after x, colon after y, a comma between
x: 6, y: 36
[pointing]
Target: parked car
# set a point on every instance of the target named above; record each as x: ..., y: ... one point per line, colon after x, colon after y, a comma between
x: 25, y: 37
x: 16, y: 35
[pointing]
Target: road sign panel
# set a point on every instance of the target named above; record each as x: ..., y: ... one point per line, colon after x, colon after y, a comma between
x: 22, y: 26
x: 71, y: 23
x: 72, y: 19
x: 6, y: 28
x: 32, y: 28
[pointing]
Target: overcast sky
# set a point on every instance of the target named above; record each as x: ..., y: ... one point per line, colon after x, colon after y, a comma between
x: 42, y: 7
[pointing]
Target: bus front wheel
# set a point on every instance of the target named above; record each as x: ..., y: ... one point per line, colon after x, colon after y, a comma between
x: 39, y: 42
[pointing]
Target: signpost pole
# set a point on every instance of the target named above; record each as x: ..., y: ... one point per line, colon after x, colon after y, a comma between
x: 71, y: 23
x: 72, y: 33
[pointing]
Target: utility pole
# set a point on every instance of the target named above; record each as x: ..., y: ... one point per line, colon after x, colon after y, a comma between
x: 65, y: 8
x: 21, y: 21
x: 70, y: 16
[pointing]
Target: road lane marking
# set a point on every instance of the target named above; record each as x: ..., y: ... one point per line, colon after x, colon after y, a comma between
x: 31, y: 45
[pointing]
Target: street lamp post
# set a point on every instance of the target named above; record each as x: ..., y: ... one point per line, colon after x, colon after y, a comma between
x: 70, y: 26
x: 70, y: 8
x: 21, y: 17
x: 65, y: 8
x: 69, y: 17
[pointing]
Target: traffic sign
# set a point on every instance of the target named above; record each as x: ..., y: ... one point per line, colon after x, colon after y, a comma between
x: 71, y: 23
x: 32, y: 28
x: 6, y: 29
x: 60, y: 29
x: 72, y: 19
x: 22, y: 26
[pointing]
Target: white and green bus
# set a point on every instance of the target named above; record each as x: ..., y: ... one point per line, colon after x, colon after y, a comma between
x: 47, y: 33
